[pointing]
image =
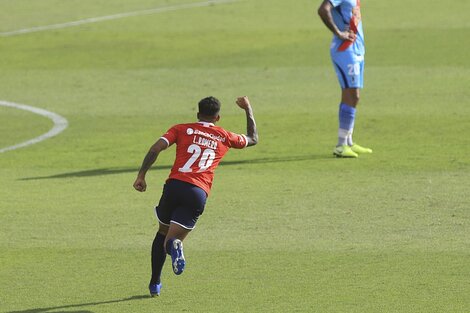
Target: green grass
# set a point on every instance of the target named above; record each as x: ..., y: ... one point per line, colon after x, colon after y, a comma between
x: 12, y: 128
x: 287, y: 228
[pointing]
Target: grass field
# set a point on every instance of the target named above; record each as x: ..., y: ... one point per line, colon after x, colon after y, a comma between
x: 287, y: 228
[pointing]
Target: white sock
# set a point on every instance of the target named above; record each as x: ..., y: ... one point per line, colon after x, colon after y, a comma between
x: 343, y: 135
x: 349, y: 138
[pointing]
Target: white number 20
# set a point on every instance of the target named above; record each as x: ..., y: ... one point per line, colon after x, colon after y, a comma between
x: 353, y: 69
x: 207, y: 158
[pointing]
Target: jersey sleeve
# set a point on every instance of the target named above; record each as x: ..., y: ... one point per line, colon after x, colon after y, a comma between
x: 171, y: 135
x: 237, y: 141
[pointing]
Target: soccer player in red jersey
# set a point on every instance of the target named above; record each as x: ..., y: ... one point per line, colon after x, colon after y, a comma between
x: 200, y: 147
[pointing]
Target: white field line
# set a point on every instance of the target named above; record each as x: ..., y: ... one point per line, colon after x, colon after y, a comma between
x: 114, y: 17
x: 60, y: 123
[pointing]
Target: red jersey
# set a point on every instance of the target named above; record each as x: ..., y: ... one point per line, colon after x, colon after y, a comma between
x: 199, y: 149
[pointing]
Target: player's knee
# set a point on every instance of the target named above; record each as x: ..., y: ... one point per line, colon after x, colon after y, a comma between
x: 350, y: 98
x: 355, y: 99
x: 163, y: 229
x: 355, y: 95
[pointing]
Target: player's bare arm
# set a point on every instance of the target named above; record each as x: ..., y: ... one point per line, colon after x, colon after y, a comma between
x: 251, y: 132
x: 150, y: 158
x: 325, y: 14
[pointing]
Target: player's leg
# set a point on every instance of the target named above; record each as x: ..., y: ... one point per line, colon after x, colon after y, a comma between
x: 349, y: 69
x: 353, y: 98
x: 158, y: 259
x: 344, y: 65
x: 350, y: 96
x: 347, y: 114
x: 163, y: 213
x: 174, y: 246
x: 191, y: 202
x: 346, y: 118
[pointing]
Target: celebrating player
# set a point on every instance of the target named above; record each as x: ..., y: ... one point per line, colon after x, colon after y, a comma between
x: 343, y: 18
x: 199, y: 148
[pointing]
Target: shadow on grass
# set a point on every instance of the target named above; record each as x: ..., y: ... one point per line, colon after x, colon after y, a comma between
x: 111, y: 171
x: 74, y: 306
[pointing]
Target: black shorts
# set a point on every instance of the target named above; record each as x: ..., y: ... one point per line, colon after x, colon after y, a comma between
x: 181, y: 203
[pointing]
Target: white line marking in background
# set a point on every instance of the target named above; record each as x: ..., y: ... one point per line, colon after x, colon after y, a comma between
x: 113, y: 17
x: 60, y: 123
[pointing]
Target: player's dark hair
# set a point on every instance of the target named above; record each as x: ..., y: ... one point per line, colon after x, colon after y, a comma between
x: 209, y: 106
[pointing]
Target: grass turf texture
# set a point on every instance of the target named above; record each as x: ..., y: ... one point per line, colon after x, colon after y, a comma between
x: 288, y: 228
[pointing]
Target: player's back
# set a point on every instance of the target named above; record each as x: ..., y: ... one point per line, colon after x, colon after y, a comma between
x: 199, y: 149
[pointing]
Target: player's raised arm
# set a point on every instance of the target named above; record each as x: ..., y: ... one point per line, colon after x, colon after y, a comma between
x: 150, y: 158
x: 251, y: 132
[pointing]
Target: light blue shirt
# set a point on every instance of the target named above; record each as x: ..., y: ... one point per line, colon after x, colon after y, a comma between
x: 343, y: 11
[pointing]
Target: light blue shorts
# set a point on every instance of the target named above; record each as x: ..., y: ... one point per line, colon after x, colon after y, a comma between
x: 349, y: 68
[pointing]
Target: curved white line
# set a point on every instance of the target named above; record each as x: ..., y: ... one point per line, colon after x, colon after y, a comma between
x: 60, y: 123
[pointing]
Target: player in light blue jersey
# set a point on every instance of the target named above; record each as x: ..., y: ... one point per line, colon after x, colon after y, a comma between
x: 343, y: 18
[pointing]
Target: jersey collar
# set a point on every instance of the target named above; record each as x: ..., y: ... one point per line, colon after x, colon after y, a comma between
x: 206, y: 124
